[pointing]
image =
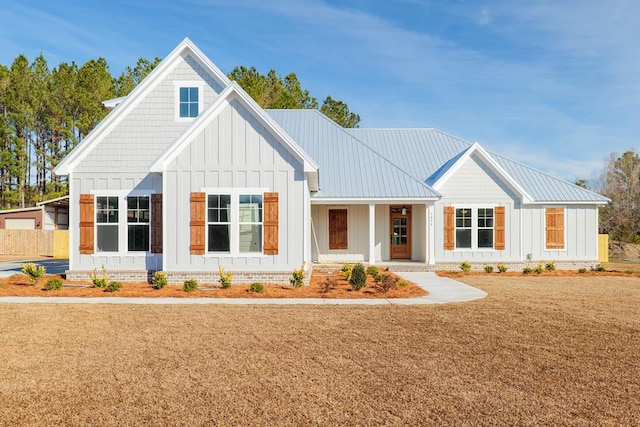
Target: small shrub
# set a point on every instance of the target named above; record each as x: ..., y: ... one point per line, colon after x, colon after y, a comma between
x: 488, y: 269
x: 297, y: 277
x: 629, y: 271
x: 600, y: 267
x: 326, y: 285
x: 387, y: 283
x: 256, y: 287
x: 190, y: 285
x: 225, y: 277
x: 99, y: 281
x: 159, y: 280
x: 113, y: 286
x: 538, y: 269
x: 402, y: 284
x: 54, y: 284
x: 358, y: 277
x: 582, y: 270
x: 502, y: 268
x: 34, y: 272
x: 347, y: 269
x: 527, y: 270
x: 465, y: 266
x: 372, y: 270
x: 550, y: 266
x: 378, y: 277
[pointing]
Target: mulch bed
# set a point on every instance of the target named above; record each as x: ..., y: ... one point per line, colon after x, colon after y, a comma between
x: 322, y: 285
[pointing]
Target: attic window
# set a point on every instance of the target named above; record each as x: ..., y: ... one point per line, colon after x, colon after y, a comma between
x: 188, y: 99
x: 188, y: 102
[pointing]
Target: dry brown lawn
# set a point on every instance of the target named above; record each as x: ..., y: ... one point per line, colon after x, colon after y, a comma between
x: 537, y: 351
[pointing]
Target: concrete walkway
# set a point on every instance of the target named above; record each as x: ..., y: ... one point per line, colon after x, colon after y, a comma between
x: 441, y: 290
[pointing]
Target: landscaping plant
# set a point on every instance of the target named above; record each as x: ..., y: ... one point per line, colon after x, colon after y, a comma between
x: 34, y: 272
x: 54, y: 284
x: 465, y: 266
x: 256, y: 287
x: 488, y: 269
x: 358, y: 277
x: 102, y: 281
x: 550, y: 266
x: 502, y: 268
x: 113, y: 286
x: 225, y: 277
x: 159, y: 280
x: 347, y: 269
x: 297, y: 277
x: 190, y: 285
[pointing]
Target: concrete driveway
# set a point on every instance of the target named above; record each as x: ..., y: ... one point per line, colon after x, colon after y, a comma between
x: 53, y: 266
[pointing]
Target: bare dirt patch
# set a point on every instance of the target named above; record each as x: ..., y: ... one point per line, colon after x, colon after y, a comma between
x: 537, y: 351
x: 322, y: 285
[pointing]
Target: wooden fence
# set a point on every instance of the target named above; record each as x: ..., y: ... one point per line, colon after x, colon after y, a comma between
x: 35, y: 243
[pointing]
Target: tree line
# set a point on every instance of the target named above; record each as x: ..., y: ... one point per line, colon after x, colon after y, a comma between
x: 45, y: 112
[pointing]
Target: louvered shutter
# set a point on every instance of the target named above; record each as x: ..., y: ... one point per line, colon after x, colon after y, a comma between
x: 198, y: 211
x: 87, y: 220
x: 449, y: 228
x: 554, y: 219
x: 270, y: 246
x: 156, y: 223
x: 499, y: 241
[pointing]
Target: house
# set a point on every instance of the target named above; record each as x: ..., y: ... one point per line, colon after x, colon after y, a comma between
x: 187, y: 173
x: 46, y: 215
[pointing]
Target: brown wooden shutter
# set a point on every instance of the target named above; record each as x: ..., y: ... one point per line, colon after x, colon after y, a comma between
x: 198, y: 211
x: 87, y: 220
x: 156, y: 223
x: 449, y: 228
x: 554, y: 219
x: 499, y: 241
x: 338, y: 229
x: 270, y: 246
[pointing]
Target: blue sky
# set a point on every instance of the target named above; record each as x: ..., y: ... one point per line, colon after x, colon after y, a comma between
x: 553, y: 84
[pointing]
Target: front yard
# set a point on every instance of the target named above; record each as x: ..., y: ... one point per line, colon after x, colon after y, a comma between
x: 538, y: 350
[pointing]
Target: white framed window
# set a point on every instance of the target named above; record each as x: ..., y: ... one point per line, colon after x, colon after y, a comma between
x: 189, y: 99
x: 119, y: 234
x: 138, y: 223
x: 474, y: 228
x: 235, y: 221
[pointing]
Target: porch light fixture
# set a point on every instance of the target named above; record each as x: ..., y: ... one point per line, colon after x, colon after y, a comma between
x: 404, y: 211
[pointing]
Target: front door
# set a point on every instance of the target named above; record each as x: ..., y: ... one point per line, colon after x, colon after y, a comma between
x: 400, y: 232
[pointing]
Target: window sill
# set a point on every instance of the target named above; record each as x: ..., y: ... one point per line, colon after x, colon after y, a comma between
x: 123, y: 254
x: 237, y: 255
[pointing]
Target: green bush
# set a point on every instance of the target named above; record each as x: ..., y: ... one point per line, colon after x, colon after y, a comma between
x: 502, y: 268
x: 488, y: 269
x: 600, y: 267
x: 373, y: 270
x: 256, y: 287
x: 402, y: 284
x: 160, y: 279
x: 99, y: 281
x: 582, y: 270
x: 527, y: 270
x: 465, y: 266
x: 113, y: 286
x: 538, y: 269
x: 387, y: 283
x: 34, y: 272
x: 297, y: 277
x: 54, y: 284
x: 347, y: 269
x: 358, y: 277
x: 225, y: 277
x: 550, y: 266
x: 190, y: 285
x: 379, y: 277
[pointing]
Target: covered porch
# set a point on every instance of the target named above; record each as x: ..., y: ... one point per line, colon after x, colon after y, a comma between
x: 390, y: 233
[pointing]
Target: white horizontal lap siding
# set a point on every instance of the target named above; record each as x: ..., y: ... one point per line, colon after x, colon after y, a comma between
x: 475, y: 185
x: 234, y: 151
x: 141, y: 136
x: 87, y: 183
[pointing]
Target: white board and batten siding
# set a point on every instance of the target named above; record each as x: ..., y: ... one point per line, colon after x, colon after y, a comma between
x: 234, y: 151
x: 475, y: 185
x: 120, y: 161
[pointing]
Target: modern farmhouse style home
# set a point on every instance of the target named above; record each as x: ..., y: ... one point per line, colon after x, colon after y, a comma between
x: 187, y: 173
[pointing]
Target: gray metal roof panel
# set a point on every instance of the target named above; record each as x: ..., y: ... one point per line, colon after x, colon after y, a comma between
x: 348, y: 167
x: 428, y: 153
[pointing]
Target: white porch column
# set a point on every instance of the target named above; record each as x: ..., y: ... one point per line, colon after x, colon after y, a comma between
x: 372, y: 233
x: 431, y: 237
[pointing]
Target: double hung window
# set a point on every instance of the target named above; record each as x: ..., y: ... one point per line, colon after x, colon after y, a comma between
x: 474, y: 228
x: 235, y: 223
x: 138, y: 223
x: 107, y: 223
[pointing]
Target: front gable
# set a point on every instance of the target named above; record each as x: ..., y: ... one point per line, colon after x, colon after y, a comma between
x: 124, y: 141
